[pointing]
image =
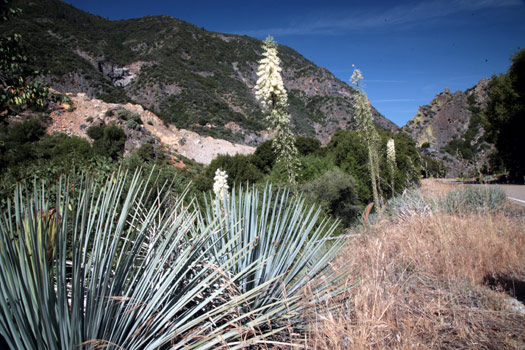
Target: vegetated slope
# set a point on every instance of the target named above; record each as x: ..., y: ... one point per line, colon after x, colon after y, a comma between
x: 192, y: 78
x: 450, y: 129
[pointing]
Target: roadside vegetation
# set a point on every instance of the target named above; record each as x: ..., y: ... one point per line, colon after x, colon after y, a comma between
x: 99, y: 249
x: 432, y: 275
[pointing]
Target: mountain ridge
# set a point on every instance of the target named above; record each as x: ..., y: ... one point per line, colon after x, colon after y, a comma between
x: 450, y: 129
x: 189, y: 77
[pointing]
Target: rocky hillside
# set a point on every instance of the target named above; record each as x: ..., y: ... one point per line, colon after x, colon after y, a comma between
x: 141, y: 127
x: 191, y: 78
x: 450, y: 129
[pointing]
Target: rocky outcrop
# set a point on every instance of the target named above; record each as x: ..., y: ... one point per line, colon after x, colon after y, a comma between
x: 119, y: 76
x: 450, y: 129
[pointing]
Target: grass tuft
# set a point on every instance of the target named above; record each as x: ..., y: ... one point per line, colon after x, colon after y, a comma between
x: 473, y: 199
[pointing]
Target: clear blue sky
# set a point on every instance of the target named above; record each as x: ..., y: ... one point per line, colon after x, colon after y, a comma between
x: 408, y: 51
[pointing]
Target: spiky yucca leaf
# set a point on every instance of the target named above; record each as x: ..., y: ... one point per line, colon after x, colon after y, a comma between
x: 123, y: 275
x: 288, y: 235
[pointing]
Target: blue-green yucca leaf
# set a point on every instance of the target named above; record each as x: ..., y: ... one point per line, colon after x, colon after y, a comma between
x: 122, y: 273
x: 288, y: 235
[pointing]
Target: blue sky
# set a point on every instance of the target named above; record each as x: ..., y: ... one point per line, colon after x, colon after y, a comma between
x: 408, y: 51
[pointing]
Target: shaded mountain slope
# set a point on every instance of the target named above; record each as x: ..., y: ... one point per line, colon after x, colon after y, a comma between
x: 190, y: 77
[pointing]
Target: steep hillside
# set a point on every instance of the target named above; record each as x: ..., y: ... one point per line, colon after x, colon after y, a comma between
x: 450, y: 129
x: 141, y: 126
x: 190, y: 77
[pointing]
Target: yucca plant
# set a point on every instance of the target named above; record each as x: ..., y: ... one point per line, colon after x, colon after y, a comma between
x: 297, y: 247
x: 473, y: 199
x: 105, y: 270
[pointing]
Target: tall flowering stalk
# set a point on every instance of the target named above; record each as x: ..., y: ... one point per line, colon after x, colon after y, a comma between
x: 270, y: 91
x: 220, y: 184
x: 365, y: 123
x: 391, y: 160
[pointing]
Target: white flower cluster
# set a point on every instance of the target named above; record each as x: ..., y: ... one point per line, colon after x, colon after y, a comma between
x: 220, y: 185
x: 364, y: 118
x: 270, y: 88
x: 391, y: 151
x: 356, y: 76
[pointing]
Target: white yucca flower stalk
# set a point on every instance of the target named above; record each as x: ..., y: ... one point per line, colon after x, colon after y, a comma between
x: 365, y: 123
x: 391, y: 160
x: 270, y: 88
x: 391, y: 151
x: 270, y: 91
x: 356, y: 77
x: 220, y: 184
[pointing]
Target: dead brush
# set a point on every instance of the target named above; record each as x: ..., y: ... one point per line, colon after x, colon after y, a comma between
x: 421, y: 285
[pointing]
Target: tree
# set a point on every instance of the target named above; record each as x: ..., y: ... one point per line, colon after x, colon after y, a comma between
x: 264, y: 157
x: 240, y: 169
x: 17, y: 84
x: 307, y: 145
x: 271, y: 93
x: 505, y: 116
x: 350, y: 154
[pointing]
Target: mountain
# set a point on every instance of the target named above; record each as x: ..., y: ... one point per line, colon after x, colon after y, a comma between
x: 450, y: 129
x: 191, y: 78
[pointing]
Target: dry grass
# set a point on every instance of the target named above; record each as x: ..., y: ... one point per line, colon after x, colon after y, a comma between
x: 420, y: 285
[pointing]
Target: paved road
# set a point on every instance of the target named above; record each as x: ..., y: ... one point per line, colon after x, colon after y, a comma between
x: 514, y: 192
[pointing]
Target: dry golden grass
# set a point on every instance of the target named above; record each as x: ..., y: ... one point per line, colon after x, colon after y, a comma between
x: 420, y: 284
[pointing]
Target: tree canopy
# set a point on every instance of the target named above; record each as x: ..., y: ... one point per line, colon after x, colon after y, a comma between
x: 505, y: 117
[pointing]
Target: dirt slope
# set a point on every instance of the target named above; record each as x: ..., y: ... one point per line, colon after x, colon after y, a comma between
x: 75, y: 118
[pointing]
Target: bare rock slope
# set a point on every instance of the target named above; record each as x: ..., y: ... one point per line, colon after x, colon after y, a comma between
x: 82, y: 112
x: 450, y: 129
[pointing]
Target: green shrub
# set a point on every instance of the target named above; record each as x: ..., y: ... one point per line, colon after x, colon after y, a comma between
x: 96, y: 132
x: 17, y: 142
x: 131, y: 124
x: 264, y: 157
x: 111, y: 143
x: 148, y: 139
x: 124, y: 114
x: 307, y: 145
x: 240, y: 170
x: 146, y: 152
x: 59, y: 146
x: 336, y: 191
x: 432, y: 167
x: 26, y: 131
x: 347, y: 150
x: 312, y: 167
